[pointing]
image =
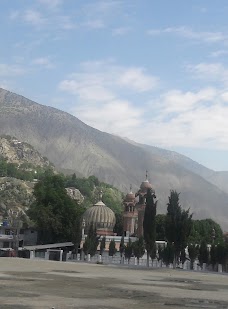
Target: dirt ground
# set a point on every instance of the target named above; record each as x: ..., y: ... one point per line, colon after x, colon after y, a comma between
x: 26, y: 284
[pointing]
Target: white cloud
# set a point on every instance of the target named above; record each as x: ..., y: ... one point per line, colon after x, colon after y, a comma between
x: 87, y: 87
x: 121, y: 31
x: 105, y: 100
x: 116, y: 116
x: 176, y: 101
x: 219, y: 53
x: 102, y: 89
x: 34, y: 17
x: 205, y: 126
x: 137, y: 79
x: 185, y: 32
x: 11, y: 70
x: 100, y: 80
x: 209, y: 71
x: 43, y: 62
x: 43, y: 19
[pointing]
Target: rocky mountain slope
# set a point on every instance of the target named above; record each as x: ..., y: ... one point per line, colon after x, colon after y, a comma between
x: 72, y: 145
x: 23, y: 163
x: 15, y: 151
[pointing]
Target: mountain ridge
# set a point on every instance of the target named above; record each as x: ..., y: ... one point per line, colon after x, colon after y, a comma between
x: 72, y: 145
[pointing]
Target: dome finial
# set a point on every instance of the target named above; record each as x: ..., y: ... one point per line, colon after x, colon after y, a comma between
x: 146, y: 174
x: 130, y: 188
x: 100, y: 195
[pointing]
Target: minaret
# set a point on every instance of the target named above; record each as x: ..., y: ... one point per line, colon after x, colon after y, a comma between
x: 141, y: 205
x: 130, y: 214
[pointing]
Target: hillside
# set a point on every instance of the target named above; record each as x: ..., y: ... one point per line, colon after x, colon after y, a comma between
x: 20, y: 168
x: 72, y: 145
x: 18, y: 152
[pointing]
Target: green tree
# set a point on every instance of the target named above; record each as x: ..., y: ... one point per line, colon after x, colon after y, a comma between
x: 139, y: 248
x: 160, y: 227
x: 168, y: 254
x: 128, y: 250
x: 118, y: 228
x: 160, y: 253
x: 153, y: 254
x: 193, y: 251
x: 91, y: 242
x: 55, y: 214
x: 112, y: 248
x: 203, y: 253
x: 121, y: 246
x: 203, y: 229
x: 149, y: 223
x: 183, y: 256
x: 76, y: 228
x: 222, y: 253
x: 3, y: 167
x: 102, y: 245
x: 178, y: 225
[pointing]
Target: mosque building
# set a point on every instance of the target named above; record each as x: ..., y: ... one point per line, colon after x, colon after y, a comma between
x: 134, y: 208
x: 103, y: 218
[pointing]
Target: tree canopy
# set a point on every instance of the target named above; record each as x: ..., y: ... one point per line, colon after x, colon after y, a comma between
x: 178, y: 224
x: 203, y: 230
x: 149, y: 223
x: 55, y: 214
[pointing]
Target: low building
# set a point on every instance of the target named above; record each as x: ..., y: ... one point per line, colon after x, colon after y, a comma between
x: 11, y: 237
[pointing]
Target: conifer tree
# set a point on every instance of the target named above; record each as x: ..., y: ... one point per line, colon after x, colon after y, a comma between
x: 128, y: 250
x: 168, y: 254
x: 121, y: 249
x: 178, y: 225
x: 149, y: 223
x: 112, y: 248
x: 203, y: 253
x: 102, y: 245
x: 91, y: 242
x: 193, y: 251
x: 139, y: 248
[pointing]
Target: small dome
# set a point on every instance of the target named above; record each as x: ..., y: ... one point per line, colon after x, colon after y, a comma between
x: 130, y: 197
x: 100, y: 216
x: 145, y: 185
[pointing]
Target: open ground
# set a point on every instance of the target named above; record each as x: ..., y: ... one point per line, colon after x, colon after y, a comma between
x: 26, y: 284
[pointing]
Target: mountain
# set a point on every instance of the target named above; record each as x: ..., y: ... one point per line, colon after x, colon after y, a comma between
x: 20, y: 163
x: 21, y: 153
x: 220, y: 179
x: 74, y: 146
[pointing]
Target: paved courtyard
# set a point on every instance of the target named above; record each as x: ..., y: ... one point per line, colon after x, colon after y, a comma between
x: 26, y: 284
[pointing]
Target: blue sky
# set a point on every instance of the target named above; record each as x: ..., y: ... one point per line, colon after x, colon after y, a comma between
x: 152, y: 71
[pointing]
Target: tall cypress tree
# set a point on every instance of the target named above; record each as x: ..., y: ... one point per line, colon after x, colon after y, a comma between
x: 149, y: 223
x: 102, y: 245
x: 178, y: 225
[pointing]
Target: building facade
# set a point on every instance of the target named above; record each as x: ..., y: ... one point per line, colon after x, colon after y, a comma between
x: 134, y: 208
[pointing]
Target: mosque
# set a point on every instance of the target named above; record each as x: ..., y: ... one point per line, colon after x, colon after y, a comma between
x: 103, y: 218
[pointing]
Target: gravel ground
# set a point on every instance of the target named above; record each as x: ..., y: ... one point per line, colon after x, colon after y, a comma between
x: 26, y: 284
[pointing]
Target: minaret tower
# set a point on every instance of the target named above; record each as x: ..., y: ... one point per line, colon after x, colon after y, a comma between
x: 141, y: 205
x: 130, y: 214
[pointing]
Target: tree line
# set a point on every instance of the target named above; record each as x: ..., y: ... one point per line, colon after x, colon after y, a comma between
x: 58, y: 219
